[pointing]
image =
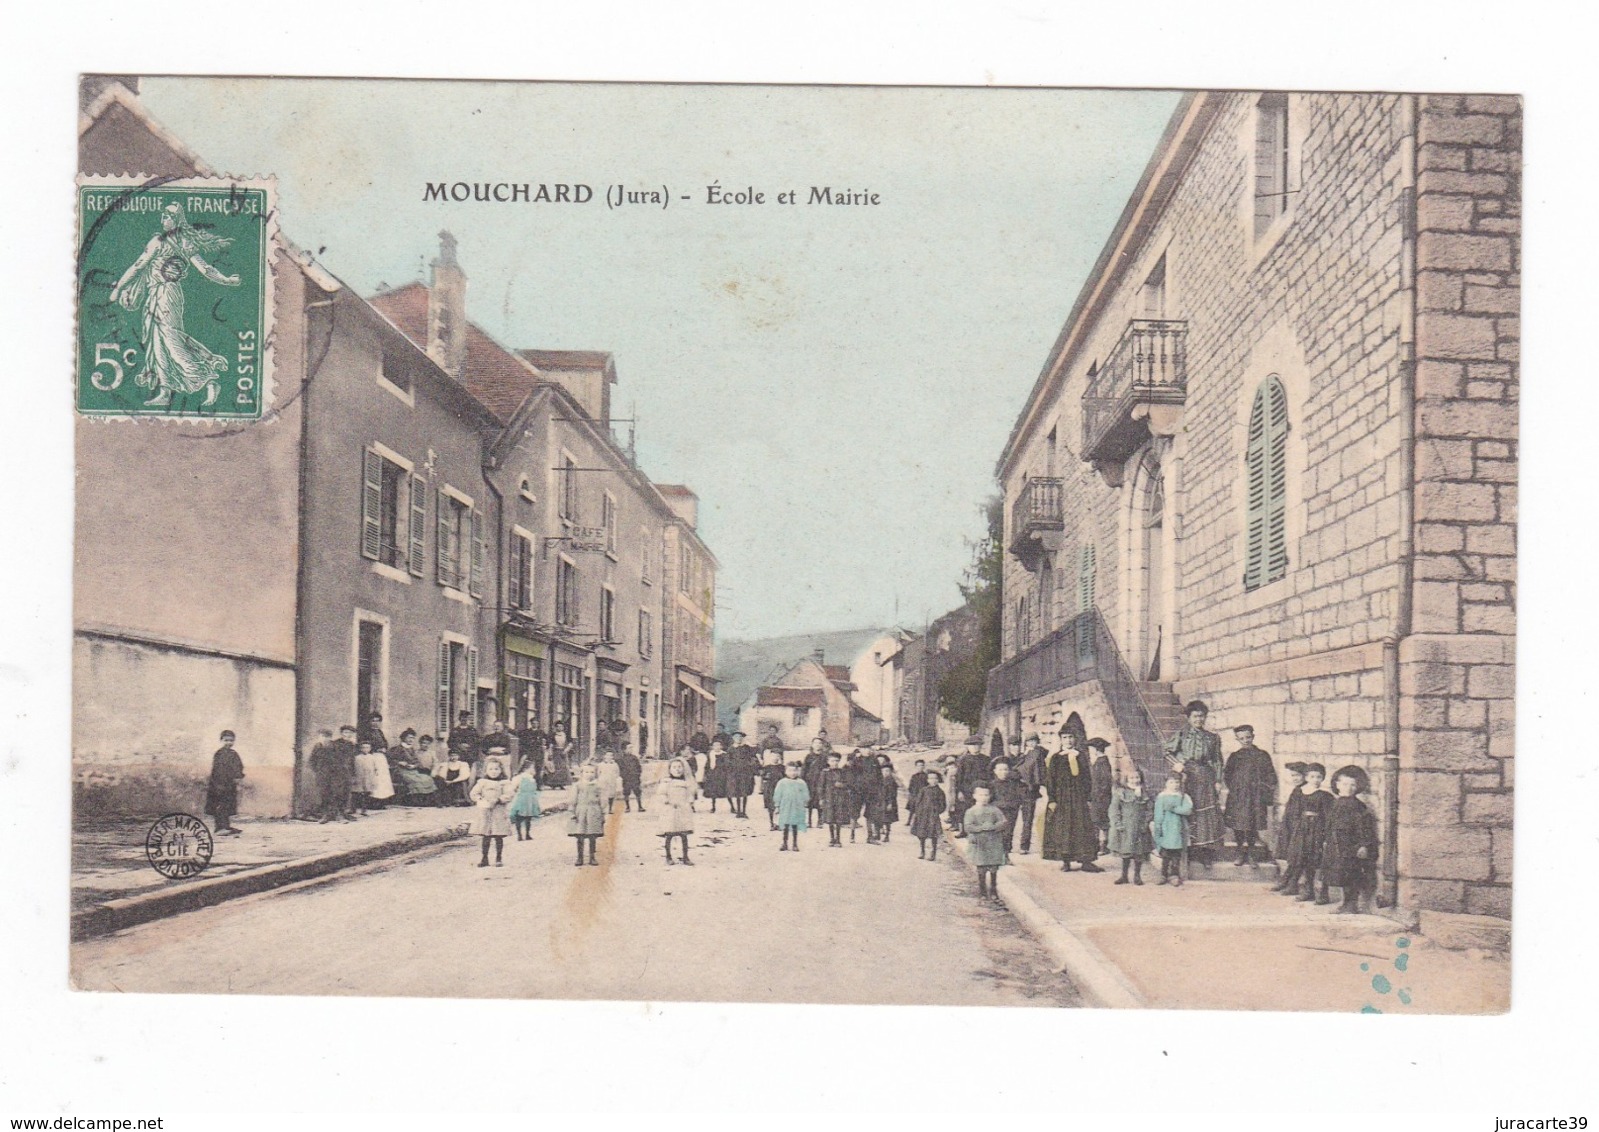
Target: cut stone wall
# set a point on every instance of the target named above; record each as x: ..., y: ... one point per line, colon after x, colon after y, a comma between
x: 1457, y: 741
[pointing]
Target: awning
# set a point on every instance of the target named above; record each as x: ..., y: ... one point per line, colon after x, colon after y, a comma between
x: 516, y: 644
x: 694, y: 687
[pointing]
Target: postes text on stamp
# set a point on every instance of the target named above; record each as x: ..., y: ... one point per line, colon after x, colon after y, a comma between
x: 174, y: 302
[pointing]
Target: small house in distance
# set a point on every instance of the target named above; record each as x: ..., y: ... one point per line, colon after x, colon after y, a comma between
x: 810, y: 697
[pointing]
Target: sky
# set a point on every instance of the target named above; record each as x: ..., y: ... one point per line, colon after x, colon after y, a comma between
x: 835, y: 381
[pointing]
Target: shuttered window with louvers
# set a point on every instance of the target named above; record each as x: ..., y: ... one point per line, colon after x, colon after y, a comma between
x: 1266, y: 480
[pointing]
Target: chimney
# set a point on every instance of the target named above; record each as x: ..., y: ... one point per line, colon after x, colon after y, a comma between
x: 819, y: 656
x: 447, y: 309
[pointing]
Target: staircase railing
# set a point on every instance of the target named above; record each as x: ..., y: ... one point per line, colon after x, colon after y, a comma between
x: 1140, y: 735
x: 1081, y: 650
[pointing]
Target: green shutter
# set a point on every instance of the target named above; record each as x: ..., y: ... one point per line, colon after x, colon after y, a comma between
x: 477, y: 553
x: 418, y: 526
x: 471, y: 682
x: 371, y: 504
x: 1276, y: 517
x: 442, y: 718
x: 513, y: 584
x: 1266, y: 476
x: 1085, y: 579
x: 442, y: 551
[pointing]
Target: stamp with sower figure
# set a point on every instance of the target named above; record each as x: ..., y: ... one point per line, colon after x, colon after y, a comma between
x: 174, y: 297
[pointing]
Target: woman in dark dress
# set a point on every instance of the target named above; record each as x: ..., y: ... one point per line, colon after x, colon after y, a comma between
x: 1069, y: 833
x: 713, y: 784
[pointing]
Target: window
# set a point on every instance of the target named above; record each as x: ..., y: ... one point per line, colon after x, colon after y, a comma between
x: 566, y: 603
x: 393, y: 513
x: 646, y: 633
x: 1153, y: 294
x: 607, y: 614
x: 646, y: 556
x: 368, y: 670
x: 569, y: 510
x: 457, y: 683
x: 1271, y: 160
x: 461, y: 546
x: 396, y: 374
x: 802, y: 716
x: 1266, y: 487
x: 608, y: 521
x: 519, y: 584
x: 683, y: 561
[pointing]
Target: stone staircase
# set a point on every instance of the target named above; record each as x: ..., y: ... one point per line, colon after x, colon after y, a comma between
x: 1166, y: 710
x: 1164, y: 707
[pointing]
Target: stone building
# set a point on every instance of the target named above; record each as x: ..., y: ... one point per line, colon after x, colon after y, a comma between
x: 426, y: 522
x: 810, y: 697
x: 575, y: 535
x: 923, y: 662
x: 186, y: 553
x: 688, y: 623
x: 1271, y: 463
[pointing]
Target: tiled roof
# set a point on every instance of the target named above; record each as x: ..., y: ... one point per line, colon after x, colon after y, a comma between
x: 789, y: 697
x: 492, y: 374
x: 862, y: 713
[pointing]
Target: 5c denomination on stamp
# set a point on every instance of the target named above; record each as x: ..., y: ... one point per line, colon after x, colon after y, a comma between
x: 174, y: 297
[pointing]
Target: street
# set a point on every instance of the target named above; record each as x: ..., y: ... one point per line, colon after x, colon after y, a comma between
x: 861, y: 924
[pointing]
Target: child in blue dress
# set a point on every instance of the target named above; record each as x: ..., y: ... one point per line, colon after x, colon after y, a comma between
x: 525, y: 801
x: 791, y: 801
x: 1169, y: 828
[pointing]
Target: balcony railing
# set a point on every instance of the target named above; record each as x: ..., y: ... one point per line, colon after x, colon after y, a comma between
x: 1080, y: 651
x: 1149, y: 366
x: 1036, y: 518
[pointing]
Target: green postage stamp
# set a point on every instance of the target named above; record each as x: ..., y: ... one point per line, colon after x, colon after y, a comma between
x: 174, y: 297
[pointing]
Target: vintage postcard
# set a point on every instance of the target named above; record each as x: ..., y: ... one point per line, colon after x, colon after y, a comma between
x: 872, y: 545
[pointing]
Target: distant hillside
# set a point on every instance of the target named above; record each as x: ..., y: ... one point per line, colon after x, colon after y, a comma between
x: 743, y: 666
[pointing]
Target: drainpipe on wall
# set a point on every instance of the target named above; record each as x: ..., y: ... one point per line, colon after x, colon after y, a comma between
x: 1407, y: 499
x: 499, y: 589
x: 302, y: 707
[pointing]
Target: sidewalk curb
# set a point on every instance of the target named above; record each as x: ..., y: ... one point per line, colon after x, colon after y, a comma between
x: 115, y: 915
x: 1101, y: 982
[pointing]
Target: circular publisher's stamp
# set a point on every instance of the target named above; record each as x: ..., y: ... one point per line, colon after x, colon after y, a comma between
x: 178, y: 846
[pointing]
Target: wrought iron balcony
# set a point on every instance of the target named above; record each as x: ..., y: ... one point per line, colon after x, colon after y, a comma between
x: 1148, y: 368
x: 1036, y: 520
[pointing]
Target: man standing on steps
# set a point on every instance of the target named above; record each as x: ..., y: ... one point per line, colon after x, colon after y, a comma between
x: 1029, y: 771
x: 1069, y: 833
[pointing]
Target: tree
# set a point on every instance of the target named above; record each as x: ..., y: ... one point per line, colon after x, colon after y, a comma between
x: 964, y: 687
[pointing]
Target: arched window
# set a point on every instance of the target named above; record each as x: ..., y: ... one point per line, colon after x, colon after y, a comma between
x: 1266, y: 471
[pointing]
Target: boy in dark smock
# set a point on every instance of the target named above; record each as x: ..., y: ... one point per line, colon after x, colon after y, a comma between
x: 222, y: 792
x: 773, y: 772
x: 1251, y: 792
x: 632, y: 772
x: 1310, y: 805
x: 1104, y: 778
x: 1007, y: 795
x: 838, y: 800
x: 812, y: 771
x: 1069, y: 833
x: 1349, y: 854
